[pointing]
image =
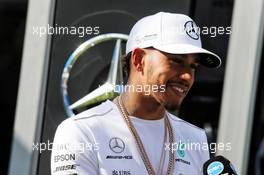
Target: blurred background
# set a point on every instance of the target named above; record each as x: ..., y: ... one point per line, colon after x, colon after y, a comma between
x: 228, y: 102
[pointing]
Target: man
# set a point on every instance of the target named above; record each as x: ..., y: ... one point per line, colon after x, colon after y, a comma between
x: 135, y: 134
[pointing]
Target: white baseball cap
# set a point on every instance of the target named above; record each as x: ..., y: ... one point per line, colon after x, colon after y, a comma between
x: 171, y: 33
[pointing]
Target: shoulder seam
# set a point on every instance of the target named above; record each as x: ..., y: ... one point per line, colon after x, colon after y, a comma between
x: 180, y: 120
x: 94, y: 115
x: 191, y: 125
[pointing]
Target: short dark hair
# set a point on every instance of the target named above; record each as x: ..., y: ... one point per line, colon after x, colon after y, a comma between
x: 126, y: 63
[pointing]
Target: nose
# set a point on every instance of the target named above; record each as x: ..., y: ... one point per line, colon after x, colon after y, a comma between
x: 186, y: 73
x: 186, y: 76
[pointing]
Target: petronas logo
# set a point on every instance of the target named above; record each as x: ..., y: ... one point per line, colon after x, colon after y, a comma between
x: 181, y: 150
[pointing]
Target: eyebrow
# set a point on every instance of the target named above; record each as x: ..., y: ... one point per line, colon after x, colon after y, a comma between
x: 197, y: 58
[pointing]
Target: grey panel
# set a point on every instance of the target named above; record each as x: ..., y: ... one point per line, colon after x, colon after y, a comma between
x: 240, y: 85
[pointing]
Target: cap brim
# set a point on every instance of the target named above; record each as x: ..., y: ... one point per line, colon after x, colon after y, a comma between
x: 207, y: 59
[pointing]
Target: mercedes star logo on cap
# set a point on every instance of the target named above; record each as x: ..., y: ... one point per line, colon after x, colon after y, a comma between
x: 191, y: 30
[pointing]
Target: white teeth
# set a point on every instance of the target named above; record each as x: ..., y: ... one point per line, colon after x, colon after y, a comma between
x: 178, y: 89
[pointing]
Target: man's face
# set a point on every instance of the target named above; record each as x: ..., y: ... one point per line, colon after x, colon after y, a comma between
x: 174, y: 73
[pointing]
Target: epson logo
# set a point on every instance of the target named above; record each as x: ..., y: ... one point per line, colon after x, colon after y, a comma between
x: 64, y: 157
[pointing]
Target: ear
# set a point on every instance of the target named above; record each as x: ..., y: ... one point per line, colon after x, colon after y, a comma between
x: 137, y: 59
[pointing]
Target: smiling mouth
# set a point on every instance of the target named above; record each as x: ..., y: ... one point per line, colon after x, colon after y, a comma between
x: 179, y: 89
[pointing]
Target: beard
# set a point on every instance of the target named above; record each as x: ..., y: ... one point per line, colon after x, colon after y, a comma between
x: 171, y: 107
x: 167, y: 103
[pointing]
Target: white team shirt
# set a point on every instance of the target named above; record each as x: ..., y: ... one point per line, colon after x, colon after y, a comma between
x: 98, y: 142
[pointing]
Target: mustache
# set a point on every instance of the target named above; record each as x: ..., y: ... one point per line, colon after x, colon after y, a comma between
x: 179, y: 82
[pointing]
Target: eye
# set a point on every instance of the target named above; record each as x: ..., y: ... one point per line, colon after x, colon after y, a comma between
x: 194, y: 66
x: 177, y: 60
